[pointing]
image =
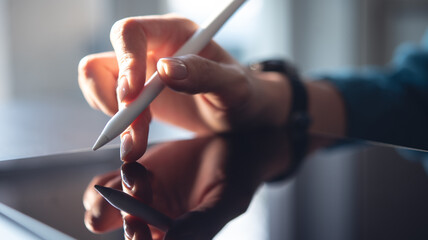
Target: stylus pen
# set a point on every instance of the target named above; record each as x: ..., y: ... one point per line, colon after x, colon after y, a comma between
x: 122, y: 119
x: 130, y: 205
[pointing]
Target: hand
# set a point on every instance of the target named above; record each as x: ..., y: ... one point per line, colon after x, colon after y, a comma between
x: 209, y: 92
x: 200, y: 183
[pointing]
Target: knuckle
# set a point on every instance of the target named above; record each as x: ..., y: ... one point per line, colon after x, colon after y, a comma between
x: 128, y: 63
x: 124, y: 28
x: 125, y: 60
x: 116, y: 29
x: 128, y: 39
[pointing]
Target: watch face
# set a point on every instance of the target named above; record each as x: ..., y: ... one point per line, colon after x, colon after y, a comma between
x: 275, y: 66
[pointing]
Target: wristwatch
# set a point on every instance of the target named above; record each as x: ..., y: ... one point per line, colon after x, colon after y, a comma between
x: 298, y: 117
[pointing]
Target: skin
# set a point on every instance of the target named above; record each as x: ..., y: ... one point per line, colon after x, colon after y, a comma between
x: 205, y: 93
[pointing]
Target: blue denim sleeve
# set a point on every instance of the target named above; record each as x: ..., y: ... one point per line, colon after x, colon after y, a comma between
x: 389, y: 105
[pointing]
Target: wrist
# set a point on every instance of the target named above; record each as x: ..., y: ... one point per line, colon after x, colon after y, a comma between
x: 275, y: 98
x: 294, y: 100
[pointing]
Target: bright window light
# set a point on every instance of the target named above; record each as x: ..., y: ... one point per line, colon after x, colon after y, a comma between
x: 234, y: 34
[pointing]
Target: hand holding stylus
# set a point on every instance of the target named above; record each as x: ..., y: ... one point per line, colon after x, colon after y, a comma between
x: 209, y: 92
x: 154, y: 85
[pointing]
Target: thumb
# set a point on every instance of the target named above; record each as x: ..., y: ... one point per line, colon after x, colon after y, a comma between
x: 225, y: 86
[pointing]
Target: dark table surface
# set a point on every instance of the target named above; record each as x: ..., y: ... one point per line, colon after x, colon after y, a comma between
x: 341, y: 189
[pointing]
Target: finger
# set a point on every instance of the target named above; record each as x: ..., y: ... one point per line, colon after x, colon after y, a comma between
x: 135, y: 229
x: 97, y: 80
x: 134, y: 139
x: 225, y: 86
x: 90, y: 192
x: 101, y: 216
x: 136, y: 181
x: 129, y: 42
x: 135, y: 38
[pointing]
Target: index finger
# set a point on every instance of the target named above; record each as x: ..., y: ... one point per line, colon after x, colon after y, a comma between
x: 137, y: 39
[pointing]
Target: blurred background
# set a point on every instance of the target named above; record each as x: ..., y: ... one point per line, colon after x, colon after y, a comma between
x: 41, y: 43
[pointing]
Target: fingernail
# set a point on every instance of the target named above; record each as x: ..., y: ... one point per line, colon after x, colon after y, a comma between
x: 128, y: 230
x: 173, y: 68
x: 130, y: 171
x: 122, y: 88
x: 126, y: 145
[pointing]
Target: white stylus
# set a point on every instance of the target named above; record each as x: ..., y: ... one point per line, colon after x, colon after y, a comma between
x: 122, y: 119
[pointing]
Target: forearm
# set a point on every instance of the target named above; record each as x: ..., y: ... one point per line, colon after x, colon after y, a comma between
x: 325, y: 104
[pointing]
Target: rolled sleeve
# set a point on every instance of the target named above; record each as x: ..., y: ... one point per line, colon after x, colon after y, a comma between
x: 388, y: 105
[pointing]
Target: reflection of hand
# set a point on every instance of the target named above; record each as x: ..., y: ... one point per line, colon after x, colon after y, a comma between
x: 202, y: 184
x: 209, y: 92
x: 100, y: 216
